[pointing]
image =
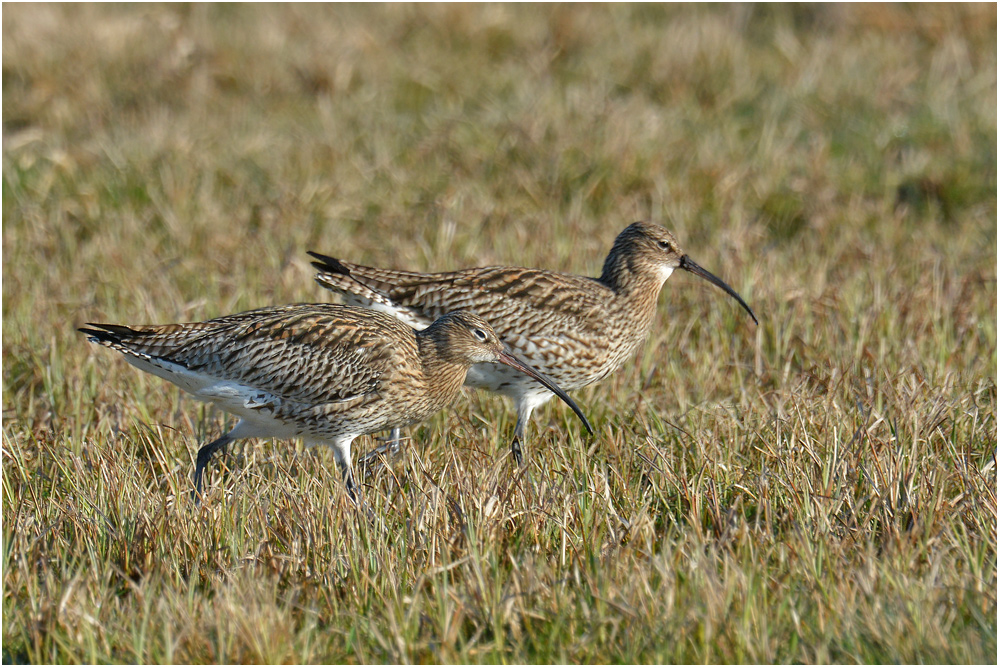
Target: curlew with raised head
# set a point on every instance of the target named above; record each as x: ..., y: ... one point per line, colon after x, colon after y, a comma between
x: 575, y: 329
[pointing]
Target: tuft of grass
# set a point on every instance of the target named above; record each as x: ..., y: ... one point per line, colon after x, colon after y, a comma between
x: 821, y: 488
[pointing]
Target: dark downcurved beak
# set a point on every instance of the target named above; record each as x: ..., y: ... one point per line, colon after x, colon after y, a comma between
x: 690, y: 265
x: 506, y: 358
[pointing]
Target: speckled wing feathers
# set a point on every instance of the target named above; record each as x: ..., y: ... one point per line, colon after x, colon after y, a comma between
x: 325, y: 357
x: 576, y: 329
x: 530, y: 302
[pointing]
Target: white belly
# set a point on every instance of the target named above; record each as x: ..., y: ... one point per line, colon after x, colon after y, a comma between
x: 256, y: 407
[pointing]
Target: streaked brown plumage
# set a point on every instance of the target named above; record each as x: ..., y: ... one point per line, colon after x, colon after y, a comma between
x: 574, y: 328
x: 322, y: 372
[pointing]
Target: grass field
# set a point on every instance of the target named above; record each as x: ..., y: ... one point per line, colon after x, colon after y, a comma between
x: 821, y: 488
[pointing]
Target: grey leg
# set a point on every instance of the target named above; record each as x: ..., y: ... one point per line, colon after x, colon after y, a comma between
x: 352, y: 489
x: 394, y: 444
x: 519, y: 439
x: 390, y: 448
x: 204, y: 455
x: 342, y: 452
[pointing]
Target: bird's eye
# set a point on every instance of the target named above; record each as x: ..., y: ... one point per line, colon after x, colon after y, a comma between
x: 479, y: 334
x: 664, y: 245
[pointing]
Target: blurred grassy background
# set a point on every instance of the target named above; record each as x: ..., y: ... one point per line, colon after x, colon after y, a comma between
x: 820, y: 488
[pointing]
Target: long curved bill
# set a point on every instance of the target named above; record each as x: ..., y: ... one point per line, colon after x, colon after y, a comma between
x: 696, y: 269
x: 506, y: 358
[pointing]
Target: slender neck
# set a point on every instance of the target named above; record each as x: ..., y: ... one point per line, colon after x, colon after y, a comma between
x: 629, y: 277
x: 443, y: 374
x: 637, y: 286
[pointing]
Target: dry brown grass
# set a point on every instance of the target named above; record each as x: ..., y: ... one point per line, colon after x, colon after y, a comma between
x: 821, y: 488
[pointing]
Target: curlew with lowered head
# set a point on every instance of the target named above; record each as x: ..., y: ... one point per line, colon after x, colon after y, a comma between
x: 326, y: 373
